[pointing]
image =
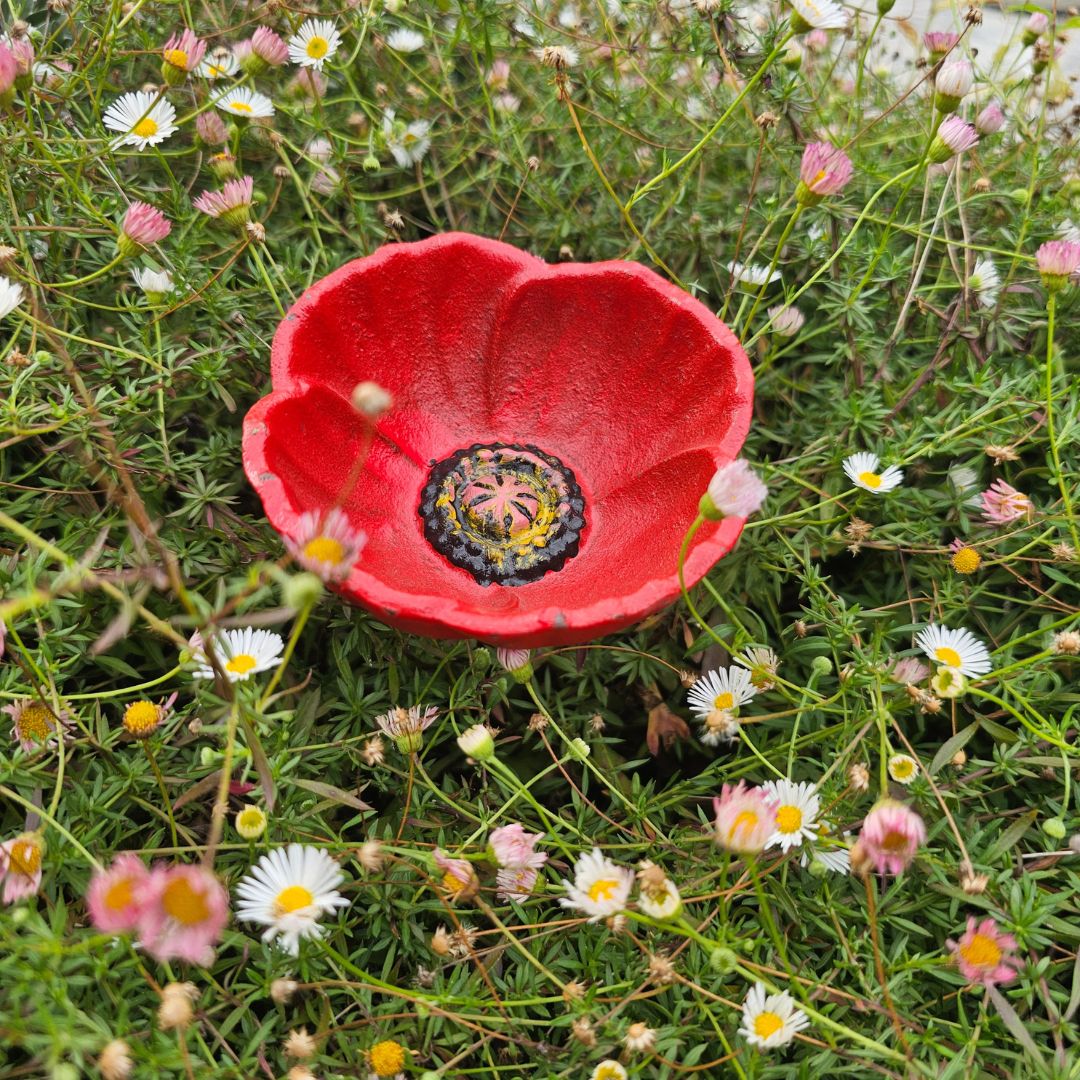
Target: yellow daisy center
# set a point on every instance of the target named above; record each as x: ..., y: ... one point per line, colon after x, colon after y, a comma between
x: 966, y: 560
x: 608, y: 1072
x: 176, y: 57
x: 949, y: 657
x: 119, y: 895
x: 821, y: 174
x: 240, y: 106
x: 745, y: 821
x: 292, y: 899
x: 902, y: 768
x: 766, y: 1024
x: 145, y: 128
x: 141, y: 717
x: 34, y: 722
x: 982, y: 951
x: 452, y: 883
x: 183, y: 903
x: 724, y: 701
x: 317, y: 47
x: 788, y: 819
x: 25, y: 857
x: 241, y: 664
x: 604, y: 889
x: 251, y: 822
x: 325, y: 549
x: 870, y: 479
x: 387, y: 1058
x: 896, y: 842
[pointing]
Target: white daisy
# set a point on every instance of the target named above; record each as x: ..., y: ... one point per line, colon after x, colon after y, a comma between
x: 797, y: 808
x: 725, y: 689
x: 314, y: 43
x: 838, y: 860
x: 11, y: 295
x: 404, y: 40
x: 600, y: 888
x: 242, y: 653
x: 219, y: 64
x: 959, y: 649
x: 408, y: 143
x: 662, y: 901
x: 755, y: 275
x: 153, y: 282
x: 862, y: 470
x: 249, y: 104
x: 142, y: 118
x: 819, y: 14
x: 903, y: 768
x: 609, y: 1069
x: 984, y: 281
x: 770, y: 1020
x: 287, y: 891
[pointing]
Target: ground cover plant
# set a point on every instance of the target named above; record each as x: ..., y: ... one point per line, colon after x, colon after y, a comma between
x: 816, y: 818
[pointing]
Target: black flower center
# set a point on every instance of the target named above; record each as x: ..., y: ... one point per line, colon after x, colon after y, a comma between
x: 506, y: 514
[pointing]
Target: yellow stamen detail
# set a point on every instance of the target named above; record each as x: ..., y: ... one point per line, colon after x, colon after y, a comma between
x: 292, y: 899
x: 25, y: 858
x: 183, y: 903
x: 119, y: 895
x: 604, y: 889
x: 949, y: 657
x: 141, y: 717
x: 176, y: 57
x: 745, y: 821
x: 724, y: 701
x: 966, y: 560
x: 34, y: 722
x: 317, y: 48
x: 788, y: 819
x: 982, y: 951
x: 766, y: 1024
x: 241, y: 664
x: 240, y: 106
x: 145, y: 128
x: 325, y: 549
x: 870, y: 479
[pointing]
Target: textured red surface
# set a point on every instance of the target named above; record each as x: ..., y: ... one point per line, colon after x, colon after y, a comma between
x: 635, y: 385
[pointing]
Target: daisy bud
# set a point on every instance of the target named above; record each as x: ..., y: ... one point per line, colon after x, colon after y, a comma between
x: 1054, y: 828
x: 251, y: 822
x: 282, y: 990
x: 370, y: 856
x: 859, y: 777
x: 232, y: 205
x: 300, y: 1045
x: 142, y: 226
x: 734, y: 491
x: 301, y: 591
x: 115, y: 1061
x: 372, y: 400
x: 723, y: 960
x: 476, y: 742
x: 370, y: 163
x: 891, y: 836
x: 175, y: 1011
x: 211, y: 129
x: 222, y: 165
x: 458, y: 877
x: 939, y: 42
x: 885, y: 6
x: 948, y: 683
x: 952, y: 83
x: 786, y: 321
x: 181, y: 55
x: 1036, y: 26
x: 990, y: 119
x: 824, y: 171
x: 387, y: 1058
x: 9, y: 69
x: 1057, y: 261
x: 517, y: 662
x: 953, y: 137
x: 142, y: 718
x: 793, y: 56
x: 579, y: 749
x: 268, y: 48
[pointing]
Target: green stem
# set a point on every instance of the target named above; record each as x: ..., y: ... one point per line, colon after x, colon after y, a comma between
x: 1051, y: 307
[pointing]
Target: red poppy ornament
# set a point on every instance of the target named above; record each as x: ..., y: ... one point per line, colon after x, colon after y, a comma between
x: 551, y: 433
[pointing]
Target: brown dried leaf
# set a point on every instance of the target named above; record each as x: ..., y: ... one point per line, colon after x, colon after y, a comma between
x: 665, y: 728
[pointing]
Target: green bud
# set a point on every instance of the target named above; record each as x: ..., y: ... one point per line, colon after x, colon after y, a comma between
x: 579, y: 749
x: 708, y: 509
x: 1054, y: 827
x: 64, y: 1071
x: 43, y: 356
x: 476, y: 742
x: 302, y: 590
x: 481, y: 658
x: 173, y: 75
x: 371, y: 163
x: 817, y: 868
x: 885, y: 6
x: 821, y: 665
x: 723, y: 960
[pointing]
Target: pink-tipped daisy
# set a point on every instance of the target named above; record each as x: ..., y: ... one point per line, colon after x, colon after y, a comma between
x: 824, y: 171
x: 745, y: 818
x: 116, y: 896
x: 1002, y: 503
x: 985, y: 954
x: 891, y: 837
x: 326, y: 544
x: 185, y: 909
x: 232, y: 204
x: 142, y: 226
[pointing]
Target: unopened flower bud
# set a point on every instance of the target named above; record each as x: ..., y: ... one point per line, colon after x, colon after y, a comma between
x: 371, y: 399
